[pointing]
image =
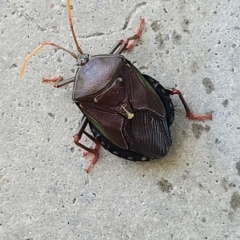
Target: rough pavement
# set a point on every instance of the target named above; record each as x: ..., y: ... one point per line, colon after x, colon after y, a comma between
x: 193, y: 193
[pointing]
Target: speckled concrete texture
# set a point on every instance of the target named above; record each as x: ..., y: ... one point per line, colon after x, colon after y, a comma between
x: 192, y: 193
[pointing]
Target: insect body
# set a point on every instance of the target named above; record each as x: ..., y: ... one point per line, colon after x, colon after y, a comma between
x: 123, y: 107
x: 129, y: 113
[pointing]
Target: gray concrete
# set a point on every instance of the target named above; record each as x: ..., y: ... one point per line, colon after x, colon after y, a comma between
x: 193, y: 193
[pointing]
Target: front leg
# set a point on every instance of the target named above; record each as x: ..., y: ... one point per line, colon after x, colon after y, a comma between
x: 58, y: 81
x: 125, y: 45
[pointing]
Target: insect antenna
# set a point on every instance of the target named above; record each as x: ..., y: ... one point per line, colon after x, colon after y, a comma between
x: 71, y: 26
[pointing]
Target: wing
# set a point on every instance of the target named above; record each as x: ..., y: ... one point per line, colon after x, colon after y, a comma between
x: 148, y: 132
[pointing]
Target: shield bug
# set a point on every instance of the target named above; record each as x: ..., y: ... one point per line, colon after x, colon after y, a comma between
x: 129, y: 113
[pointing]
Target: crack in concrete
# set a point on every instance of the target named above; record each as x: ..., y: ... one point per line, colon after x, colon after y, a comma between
x: 132, y: 13
x: 96, y: 34
x: 124, y: 26
x: 31, y: 19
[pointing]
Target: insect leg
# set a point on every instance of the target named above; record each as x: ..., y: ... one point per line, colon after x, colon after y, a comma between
x: 136, y: 36
x: 189, y: 114
x: 77, y: 137
x: 123, y: 45
x: 59, y: 81
x: 116, y: 46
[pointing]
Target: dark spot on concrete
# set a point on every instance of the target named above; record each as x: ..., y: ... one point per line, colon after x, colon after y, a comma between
x: 72, y: 149
x: 166, y: 38
x: 232, y: 185
x: 185, y: 175
x: 207, y: 83
x: 207, y: 128
x: 159, y: 40
x: 235, y: 201
x: 164, y: 185
x: 226, y: 184
x: 156, y: 26
x: 238, y: 167
x: 231, y: 216
x: 185, y: 25
x: 225, y: 103
x: 197, y: 129
x: 217, y: 141
x: 176, y: 38
x: 14, y: 65
x: 64, y: 6
x: 51, y: 115
x: 194, y: 67
x: 74, y: 200
x: 238, y: 128
x: 203, y: 219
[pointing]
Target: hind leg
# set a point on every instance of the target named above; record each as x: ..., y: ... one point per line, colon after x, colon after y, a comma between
x: 189, y: 113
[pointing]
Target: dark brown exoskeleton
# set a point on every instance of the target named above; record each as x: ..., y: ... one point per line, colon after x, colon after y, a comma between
x: 129, y: 113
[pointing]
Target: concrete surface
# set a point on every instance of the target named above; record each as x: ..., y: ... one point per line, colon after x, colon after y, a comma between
x: 193, y: 193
